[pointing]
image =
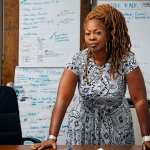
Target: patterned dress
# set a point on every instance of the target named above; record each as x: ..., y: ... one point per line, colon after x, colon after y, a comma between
x: 100, y: 114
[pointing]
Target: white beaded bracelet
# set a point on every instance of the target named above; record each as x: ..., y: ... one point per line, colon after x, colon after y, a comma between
x: 145, y: 139
x: 52, y: 137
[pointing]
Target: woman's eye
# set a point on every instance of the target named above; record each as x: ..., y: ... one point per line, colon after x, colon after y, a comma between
x: 87, y: 34
x: 98, y: 33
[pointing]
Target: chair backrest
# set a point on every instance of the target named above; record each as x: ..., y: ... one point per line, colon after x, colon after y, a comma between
x: 10, y: 128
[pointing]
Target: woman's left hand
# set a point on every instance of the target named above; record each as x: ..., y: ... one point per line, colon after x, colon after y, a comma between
x: 146, y: 145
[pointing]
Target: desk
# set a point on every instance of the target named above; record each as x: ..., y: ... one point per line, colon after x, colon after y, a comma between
x: 62, y: 147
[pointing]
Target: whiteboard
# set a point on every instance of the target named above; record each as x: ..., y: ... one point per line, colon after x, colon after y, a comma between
x: 49, y: 32
x: 137, y: 14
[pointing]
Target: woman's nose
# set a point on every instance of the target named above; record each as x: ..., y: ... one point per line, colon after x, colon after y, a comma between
x: 92, y: 37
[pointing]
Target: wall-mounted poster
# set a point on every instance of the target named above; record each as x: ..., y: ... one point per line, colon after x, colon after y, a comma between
x: 36, y: 89
x: 49, y: 32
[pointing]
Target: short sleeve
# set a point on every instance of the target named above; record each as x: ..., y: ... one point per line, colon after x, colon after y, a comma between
x: 130, y: 63
x: 73, y: 64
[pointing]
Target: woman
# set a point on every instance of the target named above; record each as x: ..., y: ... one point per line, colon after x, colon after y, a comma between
x: 101, y: 114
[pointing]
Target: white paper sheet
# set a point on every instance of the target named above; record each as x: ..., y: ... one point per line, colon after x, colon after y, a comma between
x: 49, y: 32
x: 36, y: 89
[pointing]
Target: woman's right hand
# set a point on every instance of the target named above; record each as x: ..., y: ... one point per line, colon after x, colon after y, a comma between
x: 43, y: 145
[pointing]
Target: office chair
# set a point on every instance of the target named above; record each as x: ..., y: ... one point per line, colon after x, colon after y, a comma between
x: 10, y: 127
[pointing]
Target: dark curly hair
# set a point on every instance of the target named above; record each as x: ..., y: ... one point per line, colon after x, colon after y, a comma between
x: 119, y: 43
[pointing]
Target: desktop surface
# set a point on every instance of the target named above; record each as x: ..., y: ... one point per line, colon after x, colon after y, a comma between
x: 75, y: 147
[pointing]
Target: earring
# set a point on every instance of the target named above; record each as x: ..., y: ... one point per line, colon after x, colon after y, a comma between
x: 106, y: 47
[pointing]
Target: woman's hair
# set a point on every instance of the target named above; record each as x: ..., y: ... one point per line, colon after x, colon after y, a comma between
x: 118, y: 44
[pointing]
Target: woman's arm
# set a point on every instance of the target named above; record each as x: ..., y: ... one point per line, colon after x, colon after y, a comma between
x: 137, y: 92
x: 65, y: 93
x: 138, y: 95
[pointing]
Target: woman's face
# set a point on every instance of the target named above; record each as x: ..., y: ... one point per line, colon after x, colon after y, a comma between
x: 95, y: 35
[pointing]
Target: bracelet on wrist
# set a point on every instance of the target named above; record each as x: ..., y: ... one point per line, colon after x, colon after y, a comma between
x: 145, y: 138
x: 52, y: 137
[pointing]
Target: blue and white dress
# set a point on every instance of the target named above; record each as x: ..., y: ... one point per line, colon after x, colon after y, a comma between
x: 101, y: 114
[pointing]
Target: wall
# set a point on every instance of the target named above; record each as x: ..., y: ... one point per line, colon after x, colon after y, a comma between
x: 11, y: 34
x: 1, y: 36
